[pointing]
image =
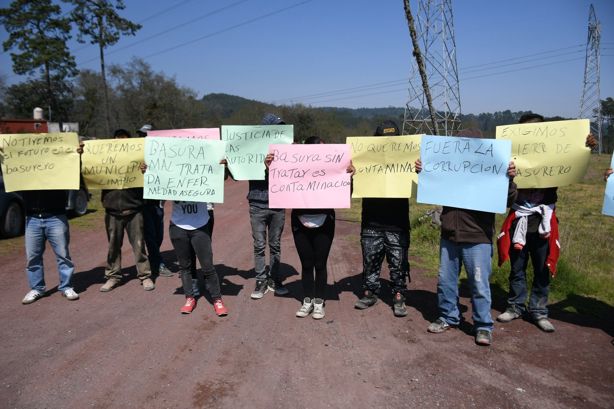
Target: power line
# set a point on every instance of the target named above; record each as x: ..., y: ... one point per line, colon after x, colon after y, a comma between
x: 166, y: 31
x: 244, y: 23
x: 404, y: 80
x: 150, y: 17
x: 319, y: 101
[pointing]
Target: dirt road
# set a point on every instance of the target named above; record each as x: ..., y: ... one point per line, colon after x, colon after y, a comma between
x: 132, y: 349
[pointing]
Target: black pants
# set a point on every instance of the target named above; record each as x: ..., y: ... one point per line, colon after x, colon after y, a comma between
x: 188, y: 245
x: 313, y: 246
x: 153, y: 223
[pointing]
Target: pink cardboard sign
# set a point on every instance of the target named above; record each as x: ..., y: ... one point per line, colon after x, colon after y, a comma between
x: 309, y: 176
x: 192, y: 133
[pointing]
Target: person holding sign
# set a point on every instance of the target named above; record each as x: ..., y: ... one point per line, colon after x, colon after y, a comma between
x: 124, y: 211
x: 153, y: 221
x: 46, y: 220
x: 190, y: 232
x: 313, y: 231
x: 384, y: 231
x: 466, y: 239
x: 266, y: 221
x: 531, y: 231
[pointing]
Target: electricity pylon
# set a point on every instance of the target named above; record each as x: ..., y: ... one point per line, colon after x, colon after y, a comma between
x: 434, y: 104
x: 590, y: 104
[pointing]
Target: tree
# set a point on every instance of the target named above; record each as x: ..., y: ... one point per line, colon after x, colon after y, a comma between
x: 98, y: 20
x: 38, y: 33
x: 144, y: 96
x: 607, y: 113
x: 22, y: 98
x: 88, y: 100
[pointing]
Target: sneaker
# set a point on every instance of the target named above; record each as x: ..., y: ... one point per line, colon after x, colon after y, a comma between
x: 545, y: 325
x: 32, y: 296
x: 438, y: 326
x: 261, y: 289
x: 109, y: 285
x: 318, y: 309
x: 163, y: 271
x: 148, y: 284
x: 508, y: 315
x: 399, y: 305
x: 483, y: 337
x: 70, y: 294
x: 219, y: 308
x: 277, y: 287
x: 306, y: 308
x: 188, y: 307
x: 368, y: 300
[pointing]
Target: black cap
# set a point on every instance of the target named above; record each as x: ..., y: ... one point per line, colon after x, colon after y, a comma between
x: 387, y: 128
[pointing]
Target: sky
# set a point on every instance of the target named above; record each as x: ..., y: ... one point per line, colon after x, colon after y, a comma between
x: 517, y: 55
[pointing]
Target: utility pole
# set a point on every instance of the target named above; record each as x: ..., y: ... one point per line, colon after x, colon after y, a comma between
x: 590, y: 103
x: 434, y: 105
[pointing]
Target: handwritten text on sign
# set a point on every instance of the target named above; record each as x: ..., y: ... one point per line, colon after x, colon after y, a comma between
x: 113, y: 163
x: 40, y: 161
x: 194, y: 133
x: 184, y: 169
x: 608, y: 199
x: 384, y: 165
x: 548, y: 154
x: 309, y: 177
x: 248, y: 145
x: 467, y: 173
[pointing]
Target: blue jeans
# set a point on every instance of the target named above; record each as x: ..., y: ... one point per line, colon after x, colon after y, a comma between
x: 535, y: 248
x: 263, y: 221
x: 477, y: 261
x: 53, y: 229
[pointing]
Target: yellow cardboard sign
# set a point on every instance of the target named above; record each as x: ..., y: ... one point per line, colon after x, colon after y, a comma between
x: 548, y: 154
x: 384, y: 165
x: 113, y: 163
x: 40, y: 161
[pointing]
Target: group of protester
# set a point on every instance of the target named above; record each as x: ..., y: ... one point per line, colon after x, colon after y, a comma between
x: 529, y: 232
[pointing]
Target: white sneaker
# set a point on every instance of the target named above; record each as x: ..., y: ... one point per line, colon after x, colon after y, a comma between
x: 70, y: 294
x: 318, y: 309
x: 32, y: 296
x: 306, y: 308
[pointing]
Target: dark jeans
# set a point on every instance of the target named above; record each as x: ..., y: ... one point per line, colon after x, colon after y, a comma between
x: 133, y: 225
x: 188, y: 245
x: 535, y: 248
x: 263, y: 221
x: 313, y: 247
x: 394, y: 246
x: 153, y: 220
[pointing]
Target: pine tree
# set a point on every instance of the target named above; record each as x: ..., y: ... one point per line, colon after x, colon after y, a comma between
x: 37, y: 38
x: 99, y: 21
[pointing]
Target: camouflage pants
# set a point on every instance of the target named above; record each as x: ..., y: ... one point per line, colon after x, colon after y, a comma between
x: 377, y: 244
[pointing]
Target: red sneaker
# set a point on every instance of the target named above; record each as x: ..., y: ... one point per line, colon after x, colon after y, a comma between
x: 190, y: 304
x: 219, y: 308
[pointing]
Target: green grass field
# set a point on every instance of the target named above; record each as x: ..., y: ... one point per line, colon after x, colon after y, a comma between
x: 585, y: 279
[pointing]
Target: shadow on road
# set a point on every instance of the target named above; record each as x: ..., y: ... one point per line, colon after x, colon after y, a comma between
x: 575, y: 309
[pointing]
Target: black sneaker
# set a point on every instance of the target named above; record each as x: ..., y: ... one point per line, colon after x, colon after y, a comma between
x: 163, y: 271
x: 277, y: 287
x: 260, y: 290
x: 398, y: 305
x: 368, y: 300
